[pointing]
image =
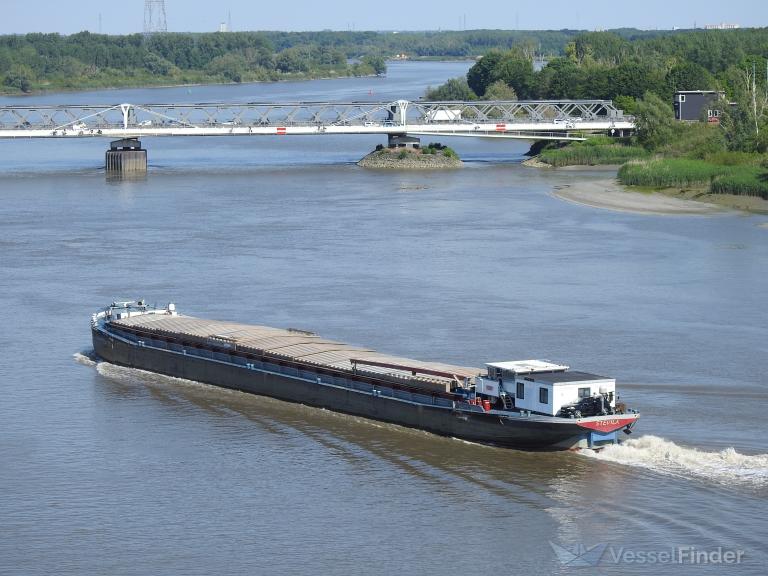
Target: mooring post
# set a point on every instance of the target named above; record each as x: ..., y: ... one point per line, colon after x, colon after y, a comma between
x: 126, y: 157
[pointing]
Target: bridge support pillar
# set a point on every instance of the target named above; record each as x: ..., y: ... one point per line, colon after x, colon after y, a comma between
x: 402, y: 141
x: 126, y: 157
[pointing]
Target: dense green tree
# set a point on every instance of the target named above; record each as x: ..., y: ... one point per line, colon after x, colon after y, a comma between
x: 292, y: 60
x: 741, y: 132
x: 454, y: 89
x: 483, y: 73
x: 516, y: 70
x: 625, y: 103
x: 157, y: 65
x: 635, y: 77
x: 560, y: 78
x: 376, y: 62
x: 689, y: 76
x: 654, y: 119
x: 231, y: 66
x: 513, y: 68
x: 604, y: 47
x: 20, y: 77
x: 500, y: 90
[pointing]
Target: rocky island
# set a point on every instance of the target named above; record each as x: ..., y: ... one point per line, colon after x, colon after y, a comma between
x: 434, y: 156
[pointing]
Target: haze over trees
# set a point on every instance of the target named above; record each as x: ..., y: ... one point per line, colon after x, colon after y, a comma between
x: 84, y: 60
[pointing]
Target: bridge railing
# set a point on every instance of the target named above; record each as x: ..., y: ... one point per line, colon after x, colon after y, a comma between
x: 363, y: 114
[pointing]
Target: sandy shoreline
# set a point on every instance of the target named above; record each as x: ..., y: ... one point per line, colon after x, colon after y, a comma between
x: 608, y: 194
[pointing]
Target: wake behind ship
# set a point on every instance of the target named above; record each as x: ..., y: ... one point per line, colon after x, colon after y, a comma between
x: 528, y: 405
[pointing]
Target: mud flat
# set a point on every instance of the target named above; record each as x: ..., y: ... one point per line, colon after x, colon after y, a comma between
x: 608, y: 194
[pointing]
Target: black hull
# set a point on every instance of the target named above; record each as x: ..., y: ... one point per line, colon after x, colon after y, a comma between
x: 487, y: 428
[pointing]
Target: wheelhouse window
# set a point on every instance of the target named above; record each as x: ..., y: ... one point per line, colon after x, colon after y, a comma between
x: 682, y: 97
x: 520, y: 390
x: 585, y: 392
x: 543, y: 396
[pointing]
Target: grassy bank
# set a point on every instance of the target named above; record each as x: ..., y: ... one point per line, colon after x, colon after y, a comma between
x: 593, y: 152
x: 741, y: 179
x: 690, y: 162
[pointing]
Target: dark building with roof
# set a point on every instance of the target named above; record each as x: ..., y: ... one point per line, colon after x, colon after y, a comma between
x: 693, y: 105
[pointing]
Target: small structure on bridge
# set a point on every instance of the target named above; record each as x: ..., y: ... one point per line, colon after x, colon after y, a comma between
x: 126, y: 157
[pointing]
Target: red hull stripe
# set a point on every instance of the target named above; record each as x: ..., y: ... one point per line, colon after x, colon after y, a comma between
x: 501, y: 127
x: 281, y: 130
x: 608, y: 425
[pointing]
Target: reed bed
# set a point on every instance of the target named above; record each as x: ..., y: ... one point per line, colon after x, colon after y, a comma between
x: 747, y: 181
x: 736, y: 177
x: 671, y: 172
x: 590, y: 154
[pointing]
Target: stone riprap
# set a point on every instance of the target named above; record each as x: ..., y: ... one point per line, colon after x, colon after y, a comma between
x: 413, y: 160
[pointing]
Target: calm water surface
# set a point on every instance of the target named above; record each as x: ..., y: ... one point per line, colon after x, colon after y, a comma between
x: 107, y: 470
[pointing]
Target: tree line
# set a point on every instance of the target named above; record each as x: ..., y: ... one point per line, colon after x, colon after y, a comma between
x: 640, y: 74
x: 52, y: 61
x: 85, y: 60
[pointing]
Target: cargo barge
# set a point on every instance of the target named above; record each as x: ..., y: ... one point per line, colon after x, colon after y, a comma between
x: 527, y: 405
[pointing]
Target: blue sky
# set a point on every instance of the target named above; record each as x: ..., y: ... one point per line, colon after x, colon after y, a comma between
x: 126, y: 16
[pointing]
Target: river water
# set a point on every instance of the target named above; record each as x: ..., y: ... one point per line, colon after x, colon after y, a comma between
x: 107, y: 470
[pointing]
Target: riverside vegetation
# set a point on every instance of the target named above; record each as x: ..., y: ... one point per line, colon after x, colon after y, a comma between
x: 641, y: 75
x: 34, y: 62
x: 432, y: 156
x: 85, y: 60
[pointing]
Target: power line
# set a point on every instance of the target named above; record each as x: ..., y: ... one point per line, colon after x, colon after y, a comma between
x: 154, y: 16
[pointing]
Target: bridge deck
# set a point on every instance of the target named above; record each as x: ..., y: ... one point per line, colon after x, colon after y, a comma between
x: 569, y: 119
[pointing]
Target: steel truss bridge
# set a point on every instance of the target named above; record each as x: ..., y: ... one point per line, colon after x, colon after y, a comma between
x: 536, y: 120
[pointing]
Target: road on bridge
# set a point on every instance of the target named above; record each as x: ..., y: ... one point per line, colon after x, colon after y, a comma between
x: 540, y: 119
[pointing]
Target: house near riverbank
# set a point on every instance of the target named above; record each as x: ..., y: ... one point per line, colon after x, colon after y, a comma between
x: 694, y: 105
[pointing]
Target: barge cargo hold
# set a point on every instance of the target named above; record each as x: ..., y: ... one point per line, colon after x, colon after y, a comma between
x: 528, y: 405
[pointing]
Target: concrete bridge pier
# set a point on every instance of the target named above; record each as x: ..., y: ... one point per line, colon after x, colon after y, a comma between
x: 402, y: 141
x: 126, y: 157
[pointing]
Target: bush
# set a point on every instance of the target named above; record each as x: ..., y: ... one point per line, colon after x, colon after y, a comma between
x: 732, y: 158
x: 453, y: 89
x: 599, y: 141
x: 696, y: 140
x: 402, y: 155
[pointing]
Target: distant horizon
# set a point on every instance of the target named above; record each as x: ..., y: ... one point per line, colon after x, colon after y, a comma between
x: 385, y: 31
x: 198, y: 16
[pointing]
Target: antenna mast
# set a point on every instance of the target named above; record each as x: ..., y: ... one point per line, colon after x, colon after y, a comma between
x: 154, y: 17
